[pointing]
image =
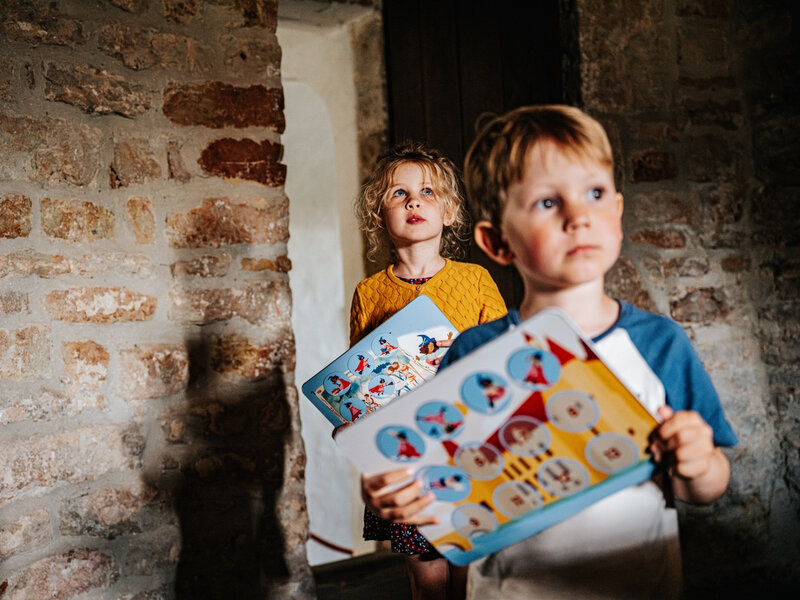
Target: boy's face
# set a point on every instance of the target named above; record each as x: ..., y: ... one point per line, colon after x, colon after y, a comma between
x: 562, y: 222
x: 412, y: 212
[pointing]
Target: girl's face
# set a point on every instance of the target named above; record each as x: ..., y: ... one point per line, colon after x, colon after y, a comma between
x: 412, y: 213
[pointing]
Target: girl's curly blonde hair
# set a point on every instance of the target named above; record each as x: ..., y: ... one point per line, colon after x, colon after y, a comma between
x: 446, y: 186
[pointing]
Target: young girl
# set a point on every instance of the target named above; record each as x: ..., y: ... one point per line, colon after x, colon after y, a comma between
x: 413, y: 202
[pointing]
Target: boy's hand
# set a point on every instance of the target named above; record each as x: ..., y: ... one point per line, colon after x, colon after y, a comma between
x: 685, y: 443
x: 401, y: 505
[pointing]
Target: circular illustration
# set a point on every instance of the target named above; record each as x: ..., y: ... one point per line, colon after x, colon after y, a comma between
x: 337, y: 384
x: 384, y: 344
x: 400, y: 443
x: 485, y: 392
x: 563, y: 476
x: 382, y: 386
x: 481, y: 461
x: 611, y: 452
x: 352, y: 408
x: 439, y: 420
x: 525, y: 436
x: 572, y: 411
x: 446, y: 483
x: 516, y: 498
x: 472, y: 520
x: 359, y: 364
x: 534, y: 368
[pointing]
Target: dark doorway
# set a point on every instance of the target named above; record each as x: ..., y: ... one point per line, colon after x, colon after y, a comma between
x: 450, y: 61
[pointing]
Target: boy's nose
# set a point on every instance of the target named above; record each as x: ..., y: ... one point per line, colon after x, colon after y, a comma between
x: 575, y: 216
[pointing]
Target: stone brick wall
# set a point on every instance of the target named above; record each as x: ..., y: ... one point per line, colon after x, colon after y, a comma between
x: 149, y: 435
x: 700, y: 98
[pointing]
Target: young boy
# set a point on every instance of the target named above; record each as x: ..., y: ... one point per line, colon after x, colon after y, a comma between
x: 541, y: 187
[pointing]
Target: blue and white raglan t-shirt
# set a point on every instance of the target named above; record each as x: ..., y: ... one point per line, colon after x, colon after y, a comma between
x: 626, y: 545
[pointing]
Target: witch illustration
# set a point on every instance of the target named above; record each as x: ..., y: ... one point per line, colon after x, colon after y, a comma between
x: 362, y: 364
x: 492, y: 391
x: 405, y: 449
x: 386, y: 347
x: 535, y: 374
x: 340, y: 384
x: 355, y: 412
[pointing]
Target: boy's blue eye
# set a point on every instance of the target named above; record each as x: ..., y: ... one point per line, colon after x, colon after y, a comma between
x: 595, y: 193
x: 546, y: 203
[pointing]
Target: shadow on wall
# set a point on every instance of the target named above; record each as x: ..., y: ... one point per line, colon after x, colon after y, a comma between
x: 228, y: 444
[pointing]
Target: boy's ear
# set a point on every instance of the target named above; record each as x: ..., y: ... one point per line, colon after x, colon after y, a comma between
x: 490, y: 240
x: 620, y: 203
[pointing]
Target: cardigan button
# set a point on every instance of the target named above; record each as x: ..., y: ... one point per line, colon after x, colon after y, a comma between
x: 419, y: 287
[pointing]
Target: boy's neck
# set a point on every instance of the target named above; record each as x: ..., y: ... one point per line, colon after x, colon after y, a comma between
x: 417, y: 263
x: 587, y: 305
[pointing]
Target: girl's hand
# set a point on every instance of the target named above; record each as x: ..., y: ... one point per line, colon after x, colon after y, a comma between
x: 400, y: 505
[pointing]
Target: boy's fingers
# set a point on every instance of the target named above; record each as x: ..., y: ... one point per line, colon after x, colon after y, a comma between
x: 400, y: 497
x: 377, y: 482
x: 409, y: 513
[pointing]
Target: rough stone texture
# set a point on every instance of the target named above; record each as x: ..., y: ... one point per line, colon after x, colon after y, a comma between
x: 663, y: 238
x: 134, y: 162
x: 252, y: 57
x: 153, y: 370
x: 155, y: 551
x: 181, y: 11
x: 140, y: 211
x: 208, y: 265
x: 14, y: 302
x: 35, y: 24
x: 25, y: 353
x: 258, y: 302
x: 28, y: 262
x: 224, y: 221
x: 134, y: 6
x: 700, y: 306
x: 110, y: 512
x: 176, y: 166
x: 254, y: 13
x: 282, y: 264
x: 236, y: 356
x: 64, y: 576
x: 146, y: 48
x: 652, y: 165
x: 85, y: 372
x: 76, y: 221
x: 40, y: 406
x: 217, y: 105
x: 244, y: 159
x: 94, y: 90
x: 624, y: 282
x: 15, y: 216
x: 33, y: 464
x: 99, y: 305
x: 27, y: 532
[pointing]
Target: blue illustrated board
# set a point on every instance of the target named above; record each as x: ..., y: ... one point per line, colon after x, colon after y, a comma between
x: 517, y: 436
x: 391, y: 360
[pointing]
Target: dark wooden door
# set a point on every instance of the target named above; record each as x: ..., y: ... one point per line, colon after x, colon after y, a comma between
x: 450, y: 61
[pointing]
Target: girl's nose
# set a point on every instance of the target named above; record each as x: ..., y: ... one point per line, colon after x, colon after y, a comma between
x: 412, y: 201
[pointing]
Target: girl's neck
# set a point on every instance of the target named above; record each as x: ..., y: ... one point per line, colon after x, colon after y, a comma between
x: 587, y: 305
x: 414, y: 262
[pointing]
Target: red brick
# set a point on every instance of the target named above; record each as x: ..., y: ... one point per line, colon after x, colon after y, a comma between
x: 223, y: 221
x: 245, y: 159
x: 282, y: 264
x: 15, y: 216
x: 662, y: 238
x: 255, y: 13
x: 258, y: 302
x: 146, y: 48
x: 25, y: 353
x: 33, y: 23
x: 236, y: 356
x: 28, y: 262
x: 134, y: 162
x: 85, y: 372
x: 652, y: 165
x: 76, y: 221
x: 13, y: 302
x: 256, y: 57
x: 140, y: 210
x: 208, y: 265
x: 181, y: 11
x: 153, y: 370
x: 215, y: 104
x: 99, y: 305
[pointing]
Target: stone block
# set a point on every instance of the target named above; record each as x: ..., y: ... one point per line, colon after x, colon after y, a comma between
x: 687, y: 266
x: 224, y: 221
x: 658, y: 207
x: 28, y: 262
x: 711, y: 9
x: 256, y: 302
x: 145, y: 48
x: 713, y: 158
x: 14, y: 302
x: 37, y: 406
x: 253, y: 57
x: 64, y: 576
x: 703, y: 305
x: 175, y: 165
x: 281, y: 264
x: 15, y: 216
x: 140, y: 211
x: 26, y: 532
x: 735, y: 263
x: 217, y: 105
x: 25, y: 353
x: 109, y: 512
x: 38, y: 463
x: 702, y: 50
x: 254, y: 13
x: 76, y: 221
x: 153, y: 370
x: 49, y: 150
x: 34, y: 23
x: 181, y: 11
x: 133, y: 162
x: 85, y: 372
x: 99, y: 305
x: 652, y: 165
x: 661, y: 238
x: 154, y: 550
x: 245, y: 159
x: 95, y: 90
x: 236, y: 357
x: 132, y: 6
x: 623, y: 281
x: 727, y: 115
x: 6, y: 79
x: 208, y: 265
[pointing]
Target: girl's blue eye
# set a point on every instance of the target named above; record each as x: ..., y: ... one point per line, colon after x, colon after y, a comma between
x: 427, y: 191
x: 399, y: 193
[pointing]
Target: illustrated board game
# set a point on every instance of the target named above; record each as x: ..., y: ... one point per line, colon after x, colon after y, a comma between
x: 393, y: 359
x: 513, y: 438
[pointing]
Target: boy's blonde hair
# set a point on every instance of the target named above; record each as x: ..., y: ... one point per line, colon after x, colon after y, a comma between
x: 446, y: 187
x: 496, y: 158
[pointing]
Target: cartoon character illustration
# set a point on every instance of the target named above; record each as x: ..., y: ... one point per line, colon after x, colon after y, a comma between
x: 453, y: 482
x: 430, y: 346
x: 525, y: 436
x: 535, y: 374
x: 491, y: 390
x: 386, y: 347
x: 439, y: 419
x: 405, y: 449
x: 355, y: 412
x: 379, y: 387
x: 362, y: 364
x: 340, y: 384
